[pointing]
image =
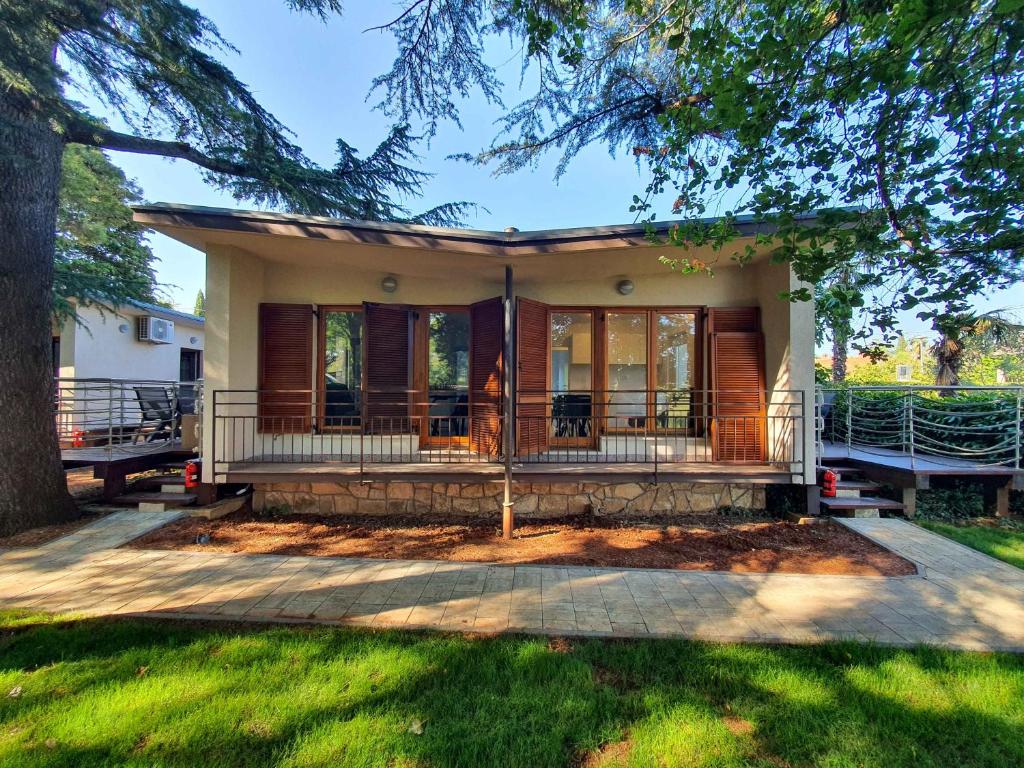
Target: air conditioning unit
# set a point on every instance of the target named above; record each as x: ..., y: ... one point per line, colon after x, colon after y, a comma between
x: 156, y: 330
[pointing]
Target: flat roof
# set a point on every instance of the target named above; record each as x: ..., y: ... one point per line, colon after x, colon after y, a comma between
x: 174, y: 218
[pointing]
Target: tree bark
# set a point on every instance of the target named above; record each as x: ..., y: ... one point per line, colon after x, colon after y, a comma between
x: 33, y: 489
x: 839, y: 355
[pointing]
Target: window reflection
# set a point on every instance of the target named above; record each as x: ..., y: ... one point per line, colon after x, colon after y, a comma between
x: 343, y: 336
x: 627, y: 369
x: 571, y: 374
x: 448, y: 373
x: 675, y: 351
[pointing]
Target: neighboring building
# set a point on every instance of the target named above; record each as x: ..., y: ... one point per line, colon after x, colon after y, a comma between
x: 115, y: 345
x: 348, y: 351
x: 105, y: 360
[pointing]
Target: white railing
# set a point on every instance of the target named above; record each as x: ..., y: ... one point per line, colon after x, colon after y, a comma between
x: 978, y: 425
x: 120, y: 414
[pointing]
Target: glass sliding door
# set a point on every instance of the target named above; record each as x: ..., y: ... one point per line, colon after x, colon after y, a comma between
x: 342, y: 334
x: 448, y: 376
x: 572, y: 377
x: 675, y: 365
x: 627, y: 370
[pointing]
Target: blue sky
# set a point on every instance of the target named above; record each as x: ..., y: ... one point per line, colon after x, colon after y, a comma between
x: 314, y: 77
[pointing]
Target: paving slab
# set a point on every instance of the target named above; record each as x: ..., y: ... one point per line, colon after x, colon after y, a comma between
x: 959, y: 598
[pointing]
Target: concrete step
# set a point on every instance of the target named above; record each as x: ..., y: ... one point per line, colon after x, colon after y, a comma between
x: 864, y: 506
x: 854, y: 489
x: 158, y: 482
x: 153, y: 501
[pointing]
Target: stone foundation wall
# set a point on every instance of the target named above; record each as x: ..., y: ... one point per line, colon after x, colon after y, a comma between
x: 532, y: 500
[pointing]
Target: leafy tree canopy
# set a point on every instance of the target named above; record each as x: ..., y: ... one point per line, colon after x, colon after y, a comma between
x: 101, y: 255
x: 154, y: 65
x: 899, y: 122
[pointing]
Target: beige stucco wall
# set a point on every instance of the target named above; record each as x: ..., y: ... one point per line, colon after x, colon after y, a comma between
x: 234, y: 290
x: 237, y: 281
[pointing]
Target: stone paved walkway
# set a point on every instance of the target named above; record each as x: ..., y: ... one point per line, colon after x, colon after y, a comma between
x: 961, y: 599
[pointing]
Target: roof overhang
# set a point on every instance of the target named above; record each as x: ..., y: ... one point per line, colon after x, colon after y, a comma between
x: 195, y: 225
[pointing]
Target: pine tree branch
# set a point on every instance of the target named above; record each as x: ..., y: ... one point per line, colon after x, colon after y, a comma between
x: 91, y: 134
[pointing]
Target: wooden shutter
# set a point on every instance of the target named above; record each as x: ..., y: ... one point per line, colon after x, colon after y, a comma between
x: 738, y: 423
x: 533, y: 339
x: 734, y: 320
x: 388, y: 368
x: 486, y: 342
x: 284, y: 401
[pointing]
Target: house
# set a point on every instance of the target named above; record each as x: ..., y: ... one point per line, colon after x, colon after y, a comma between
x: 105, y: 361
x: 388, y: 368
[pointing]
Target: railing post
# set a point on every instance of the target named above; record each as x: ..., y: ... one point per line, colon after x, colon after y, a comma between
x: 849, y: 420
x: 1016, y: 442
x: 909, y: 428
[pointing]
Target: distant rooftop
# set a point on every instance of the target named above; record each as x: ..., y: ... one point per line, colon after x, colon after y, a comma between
x: 167, y: 314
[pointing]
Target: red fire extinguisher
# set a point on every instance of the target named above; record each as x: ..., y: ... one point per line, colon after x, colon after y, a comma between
x: 828, y: 483
x: 192, y: 474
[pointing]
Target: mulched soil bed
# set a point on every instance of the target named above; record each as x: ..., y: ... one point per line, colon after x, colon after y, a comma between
x: 706, y: 544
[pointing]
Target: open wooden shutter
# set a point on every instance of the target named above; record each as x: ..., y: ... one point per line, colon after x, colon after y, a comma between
x: 533, y: 339
x: 285, y: 400
x: 738, y: 424
x: 387, y: 370
x: 486, y: 342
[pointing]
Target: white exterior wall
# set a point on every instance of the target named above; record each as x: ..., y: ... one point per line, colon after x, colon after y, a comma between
x: 97, y: 349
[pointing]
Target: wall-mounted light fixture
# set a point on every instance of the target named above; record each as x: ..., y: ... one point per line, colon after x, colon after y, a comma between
x: 193, y: 340
x: 625, y: 287
x: 389, y: 284
x: 123, y: 328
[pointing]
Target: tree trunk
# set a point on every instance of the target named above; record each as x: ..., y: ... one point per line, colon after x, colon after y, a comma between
x: 839, y: 354
x: 33, y: 489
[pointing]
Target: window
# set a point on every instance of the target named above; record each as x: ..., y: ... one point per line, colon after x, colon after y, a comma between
x: 675, y: 356
x: 448, y: 374
x: 653, y: 364
x: 572, y: 374
x: 190, y: 370
x: 627, y: 369
x: 342, y: 366
x: 191, y: 365
x: 448, y: 368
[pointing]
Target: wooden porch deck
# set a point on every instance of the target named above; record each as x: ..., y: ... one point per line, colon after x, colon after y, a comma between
x: 919, y: 464
x: 911, y: 474
x: 113, y: 464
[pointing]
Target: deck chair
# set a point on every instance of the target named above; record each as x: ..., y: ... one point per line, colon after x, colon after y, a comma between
x: 158, y: 409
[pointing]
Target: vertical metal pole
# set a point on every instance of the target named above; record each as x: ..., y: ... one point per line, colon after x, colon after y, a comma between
x: 1016, y: 429
x: 910, y: 424
x: 507, y: 512
x: 849, y: 419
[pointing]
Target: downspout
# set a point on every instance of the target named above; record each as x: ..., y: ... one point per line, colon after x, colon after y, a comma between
x: 507, y: 512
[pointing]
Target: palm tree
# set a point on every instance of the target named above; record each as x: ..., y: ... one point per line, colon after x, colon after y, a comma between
x: 956, y: 331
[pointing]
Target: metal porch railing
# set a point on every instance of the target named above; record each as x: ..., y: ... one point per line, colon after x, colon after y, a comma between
x: 981, y: 426
x: 253, y: 427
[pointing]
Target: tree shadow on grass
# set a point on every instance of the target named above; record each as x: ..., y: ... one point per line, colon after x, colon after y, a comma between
x: 223, y: 695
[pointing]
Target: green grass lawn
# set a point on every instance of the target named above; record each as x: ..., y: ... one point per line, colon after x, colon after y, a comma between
x: 137, y: 693
x: 1004, y: 543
